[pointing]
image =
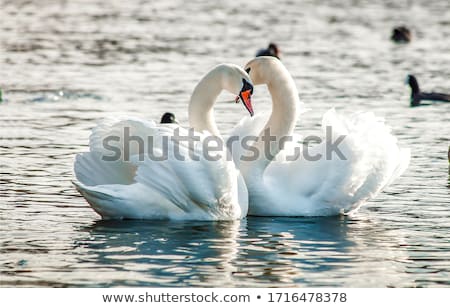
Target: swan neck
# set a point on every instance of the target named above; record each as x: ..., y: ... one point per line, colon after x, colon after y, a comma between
x: 284, y: 111
x: 280, y: 125
x: 201, y: 112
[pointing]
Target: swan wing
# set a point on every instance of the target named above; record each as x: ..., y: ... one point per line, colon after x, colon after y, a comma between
x: 158, y: 185
x: 331, y: 183
x: 247, y: 127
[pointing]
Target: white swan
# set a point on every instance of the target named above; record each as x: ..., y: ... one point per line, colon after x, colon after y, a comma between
x: 325, y: 187
x: 143, y: 188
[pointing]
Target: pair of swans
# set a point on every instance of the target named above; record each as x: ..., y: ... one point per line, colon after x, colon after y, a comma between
x: 269, y: 185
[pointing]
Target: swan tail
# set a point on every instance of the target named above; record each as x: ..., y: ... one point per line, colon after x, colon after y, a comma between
x: 101, y: 202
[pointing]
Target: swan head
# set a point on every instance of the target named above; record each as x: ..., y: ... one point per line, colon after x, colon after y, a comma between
x: 245, y: 95
x: 238, y: 82
x: 262, y: 69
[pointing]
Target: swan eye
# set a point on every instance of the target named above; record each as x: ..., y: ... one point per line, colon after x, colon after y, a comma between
x: 248, y: 70
x: 247, y: 86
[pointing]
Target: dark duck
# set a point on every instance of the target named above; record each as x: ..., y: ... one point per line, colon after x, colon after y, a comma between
x: 168, y: 118
x: 271, y: 50
x: 401, y: 35
x: 417, y: 96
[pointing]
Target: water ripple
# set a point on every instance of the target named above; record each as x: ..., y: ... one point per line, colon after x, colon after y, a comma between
x: 64, y: 69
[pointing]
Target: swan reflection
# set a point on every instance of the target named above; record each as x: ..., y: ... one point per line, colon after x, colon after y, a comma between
x: 293, y: 251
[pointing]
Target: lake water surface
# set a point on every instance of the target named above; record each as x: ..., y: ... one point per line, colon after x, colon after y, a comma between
x: 65, y: 65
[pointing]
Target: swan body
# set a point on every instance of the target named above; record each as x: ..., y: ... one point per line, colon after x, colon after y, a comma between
x: 321, y: 187
x: 142, y: 187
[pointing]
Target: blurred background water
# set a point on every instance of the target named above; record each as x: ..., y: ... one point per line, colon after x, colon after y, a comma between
x: 65, y: 65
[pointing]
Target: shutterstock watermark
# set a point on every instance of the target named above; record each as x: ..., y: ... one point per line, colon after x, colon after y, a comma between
x: 213, y: 148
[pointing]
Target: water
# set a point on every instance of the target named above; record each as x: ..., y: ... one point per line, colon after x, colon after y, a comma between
x: 67, y: 64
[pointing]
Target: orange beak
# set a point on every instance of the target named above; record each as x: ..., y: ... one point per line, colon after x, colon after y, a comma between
x: 245, y: 97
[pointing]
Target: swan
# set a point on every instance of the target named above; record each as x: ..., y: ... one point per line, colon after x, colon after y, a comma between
x: 278, y: 186
x: 144, y: 187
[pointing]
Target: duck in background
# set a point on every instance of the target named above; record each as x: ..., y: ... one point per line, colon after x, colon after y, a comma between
x: 401, y: 35
x: 271, y: 50
x: 1, y: 96
x: 168, y: 118
x: 417, y: 96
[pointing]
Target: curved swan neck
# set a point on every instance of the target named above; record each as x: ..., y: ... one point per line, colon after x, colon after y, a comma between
x: 282, y: 120
x: 284, y: 104
x: 201, y: 113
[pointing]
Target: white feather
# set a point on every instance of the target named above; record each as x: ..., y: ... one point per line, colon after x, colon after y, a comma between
x: 149, y: 189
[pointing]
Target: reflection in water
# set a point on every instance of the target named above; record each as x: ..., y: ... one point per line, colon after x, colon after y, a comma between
x: 253, y: 252
x: 167, y: 253
x: 292, y: 247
